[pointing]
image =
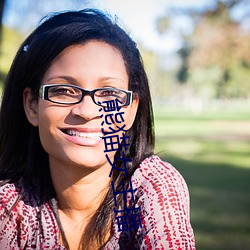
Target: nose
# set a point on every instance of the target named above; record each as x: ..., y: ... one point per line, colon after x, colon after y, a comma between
x: 86, y: 109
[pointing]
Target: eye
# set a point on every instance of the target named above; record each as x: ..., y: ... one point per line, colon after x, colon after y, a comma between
x: 63, y: 90
x: 109, y: 92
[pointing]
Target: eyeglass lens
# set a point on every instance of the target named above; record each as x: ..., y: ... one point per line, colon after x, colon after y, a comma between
x: 70, y: 94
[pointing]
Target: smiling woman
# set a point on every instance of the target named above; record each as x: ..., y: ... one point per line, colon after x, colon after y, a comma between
x: 65, y: 182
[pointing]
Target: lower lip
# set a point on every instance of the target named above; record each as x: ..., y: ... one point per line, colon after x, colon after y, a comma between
x: 83, y: 141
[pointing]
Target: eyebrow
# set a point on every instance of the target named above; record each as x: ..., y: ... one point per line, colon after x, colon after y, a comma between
x: 111, y: 78
x: 74, y: 81
x: 118, y: 81
x: 67, y: 78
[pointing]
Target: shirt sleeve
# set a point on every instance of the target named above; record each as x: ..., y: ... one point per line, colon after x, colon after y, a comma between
x: 9, y: 219
x: 24, y: 224
x: 163, y: 198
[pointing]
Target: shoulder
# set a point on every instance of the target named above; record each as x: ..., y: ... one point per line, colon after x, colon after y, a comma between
x: 16, y: 201
x: 156, y: 175
x: 12, y: 194
x: 9, y: 193
x: 161, y: 186
x: 21, y: 212
x: 163, y: 198
x: 14, y: 214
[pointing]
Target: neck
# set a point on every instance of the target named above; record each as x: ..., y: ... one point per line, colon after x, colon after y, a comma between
x: 79, y: 191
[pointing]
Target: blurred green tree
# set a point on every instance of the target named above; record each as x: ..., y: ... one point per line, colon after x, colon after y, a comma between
x: 219, y: 43
x: 25, y: 12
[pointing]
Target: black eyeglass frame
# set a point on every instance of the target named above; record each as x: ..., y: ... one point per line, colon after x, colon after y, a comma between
x: 44, y: 94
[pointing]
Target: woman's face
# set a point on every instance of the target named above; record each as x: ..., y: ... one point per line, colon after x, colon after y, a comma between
x: 70, y: 134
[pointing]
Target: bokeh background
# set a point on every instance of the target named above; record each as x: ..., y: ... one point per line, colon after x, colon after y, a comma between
x: 197, y: 56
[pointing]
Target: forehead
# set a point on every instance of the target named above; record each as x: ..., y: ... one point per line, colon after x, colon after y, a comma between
x: 91, y: 59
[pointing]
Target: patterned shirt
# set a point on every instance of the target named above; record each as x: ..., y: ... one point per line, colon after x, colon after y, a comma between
x: 160, y: 192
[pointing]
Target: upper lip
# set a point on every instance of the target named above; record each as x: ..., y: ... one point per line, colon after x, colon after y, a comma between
x: 84, y: 130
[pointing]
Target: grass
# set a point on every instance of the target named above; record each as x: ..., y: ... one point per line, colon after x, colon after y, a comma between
x: 212, y: 152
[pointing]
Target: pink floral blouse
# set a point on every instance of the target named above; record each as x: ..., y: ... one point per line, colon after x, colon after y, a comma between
x: 161, y: 193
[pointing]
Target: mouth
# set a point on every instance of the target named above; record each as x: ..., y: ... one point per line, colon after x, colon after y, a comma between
x: 90, y: 135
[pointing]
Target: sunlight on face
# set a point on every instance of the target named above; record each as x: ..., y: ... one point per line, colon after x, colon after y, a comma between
x: 70, y: 134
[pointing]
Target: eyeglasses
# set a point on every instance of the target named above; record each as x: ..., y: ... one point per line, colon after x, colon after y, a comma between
x: 69, y: 94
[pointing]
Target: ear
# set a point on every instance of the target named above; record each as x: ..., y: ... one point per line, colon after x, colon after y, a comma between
x: 133, y: 110
x: 30, y: 104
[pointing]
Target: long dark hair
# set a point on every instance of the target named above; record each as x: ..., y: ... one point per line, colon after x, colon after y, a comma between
x: 22, y: 157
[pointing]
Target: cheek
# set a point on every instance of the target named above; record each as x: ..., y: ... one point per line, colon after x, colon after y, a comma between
x: 118, y: 119
x: 45, y: 133
x: 128, y: 116
x: 48, y: 121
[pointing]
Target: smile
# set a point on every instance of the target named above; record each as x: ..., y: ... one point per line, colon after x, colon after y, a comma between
x: 91, y: 135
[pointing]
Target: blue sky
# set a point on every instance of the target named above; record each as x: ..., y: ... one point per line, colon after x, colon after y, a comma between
x: 137, y: 16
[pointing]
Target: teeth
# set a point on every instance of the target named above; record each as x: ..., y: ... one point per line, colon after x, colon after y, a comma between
x: 83, y: 134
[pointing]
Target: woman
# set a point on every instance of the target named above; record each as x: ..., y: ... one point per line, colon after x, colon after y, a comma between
x: 66, y: 183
